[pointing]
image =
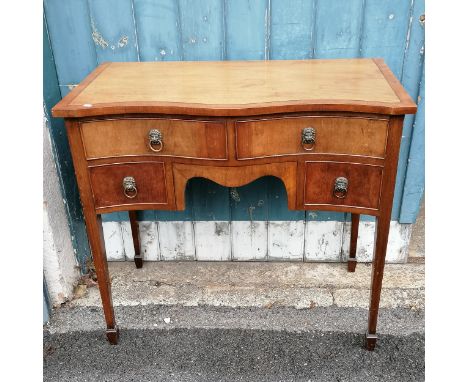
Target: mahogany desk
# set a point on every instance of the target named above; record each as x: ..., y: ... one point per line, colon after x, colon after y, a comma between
x: 329, y: 129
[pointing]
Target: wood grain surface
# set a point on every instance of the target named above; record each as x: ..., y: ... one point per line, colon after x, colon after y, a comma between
x: 181, y: 138
x: 334, y: 135
x: 229, y: 88
x: 106, y: 182
x: 363, y: 187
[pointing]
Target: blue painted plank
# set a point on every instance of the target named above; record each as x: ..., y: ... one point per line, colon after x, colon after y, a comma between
x: 384, y: 31
x: 337, y: 39
x: 338, y: 28
x: 247, y: 29
x: 202, y: 29
x: 278, y: 202
x: 185, y: 215
x: 415, y: 176
x: 113, y: 30
x: 158, y: 30
x: 62, y: 155
x: 210, y: 201
x: 250, y: 202
x: 70, y: 32
x: 411, y: 78
x: 384, y: 34
x: 291, y: 29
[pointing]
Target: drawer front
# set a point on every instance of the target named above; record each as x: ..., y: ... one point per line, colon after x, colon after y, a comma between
x: 146, y: 186
x: 179, y: 138
x: 333, y: 135
x: 324, y: 184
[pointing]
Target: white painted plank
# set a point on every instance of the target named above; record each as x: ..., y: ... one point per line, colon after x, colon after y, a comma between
x: 249, y: 240
x: 398, y: 242
x: 127, y: 240
x: 215, y: 241
x: 286, y: 240
x: 149, y: 240
x: 323, y: 240
x: 176, y: 240
x: 212, y: 240
x: 113, y: 241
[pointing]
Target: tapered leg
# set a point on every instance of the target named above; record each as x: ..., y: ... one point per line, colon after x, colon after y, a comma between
x: 96, y: 242
x: 353, y: 242
x: 93, y: 228
x: 136, y: 238
x: 380, y: 249
x: 383, y: 225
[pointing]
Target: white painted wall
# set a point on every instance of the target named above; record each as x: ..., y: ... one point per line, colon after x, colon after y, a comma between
x: 249, y: 241
x: 60, y: 266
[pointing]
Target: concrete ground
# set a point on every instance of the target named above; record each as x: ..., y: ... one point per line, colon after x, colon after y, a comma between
x: 189, y: 321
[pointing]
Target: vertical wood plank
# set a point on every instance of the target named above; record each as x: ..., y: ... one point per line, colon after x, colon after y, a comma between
x: 291, y: 29
x: 211, y: 215
x: 127, y: 240
x: 249, y: 215
x: 323, y: 236
x: 149, y: 239
x: 384, y: 34
x: 384, y: 31
x: 71, y: 38
x: 247, y: 29
x: 176, y: 240
x: 415, y: 176
x: 113, y: 30
x: 158, y: 27
x: 285, y: 227
x: 337, y: 28
x: 398, y: 242
x: 113, y: 241
x: 412, y: 80
x: 286, y: 240
x: 202, y: 28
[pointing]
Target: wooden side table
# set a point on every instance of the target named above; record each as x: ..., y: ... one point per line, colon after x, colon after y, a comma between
x: 329, y: 129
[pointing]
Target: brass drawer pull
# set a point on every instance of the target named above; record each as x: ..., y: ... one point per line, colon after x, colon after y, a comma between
x: 129, y: 187
x: 341, y: 187
x: 308, y: 138
x: 155, y: 140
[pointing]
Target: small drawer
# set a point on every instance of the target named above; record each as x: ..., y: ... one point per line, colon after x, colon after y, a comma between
x: 160, y: 137
x: 342, y: 184
x: 363, y: 136
x: 128, y: 183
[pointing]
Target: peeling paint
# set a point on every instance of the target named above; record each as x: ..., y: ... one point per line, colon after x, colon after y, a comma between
x: 234, y: 194
x: 97, y: 37
x: 123, y: 41
x: 422, y: 19
x: 221, y: 228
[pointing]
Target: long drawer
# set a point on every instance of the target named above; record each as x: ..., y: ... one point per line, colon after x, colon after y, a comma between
x: 272, y: 137
x: 155, y: 137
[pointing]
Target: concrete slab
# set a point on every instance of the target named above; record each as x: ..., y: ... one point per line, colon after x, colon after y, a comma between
x: 297, y: 285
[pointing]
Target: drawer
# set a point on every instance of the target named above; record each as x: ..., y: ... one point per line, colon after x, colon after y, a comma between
x: 342, y: 184
x: 333, y: 135
x: 178, y: 138
x: 128, y: 183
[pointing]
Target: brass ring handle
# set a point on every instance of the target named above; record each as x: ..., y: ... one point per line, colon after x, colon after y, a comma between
x: 129, y: 187
x: 155, y: 139
x: 308, y: 138
x: 341, y: 187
